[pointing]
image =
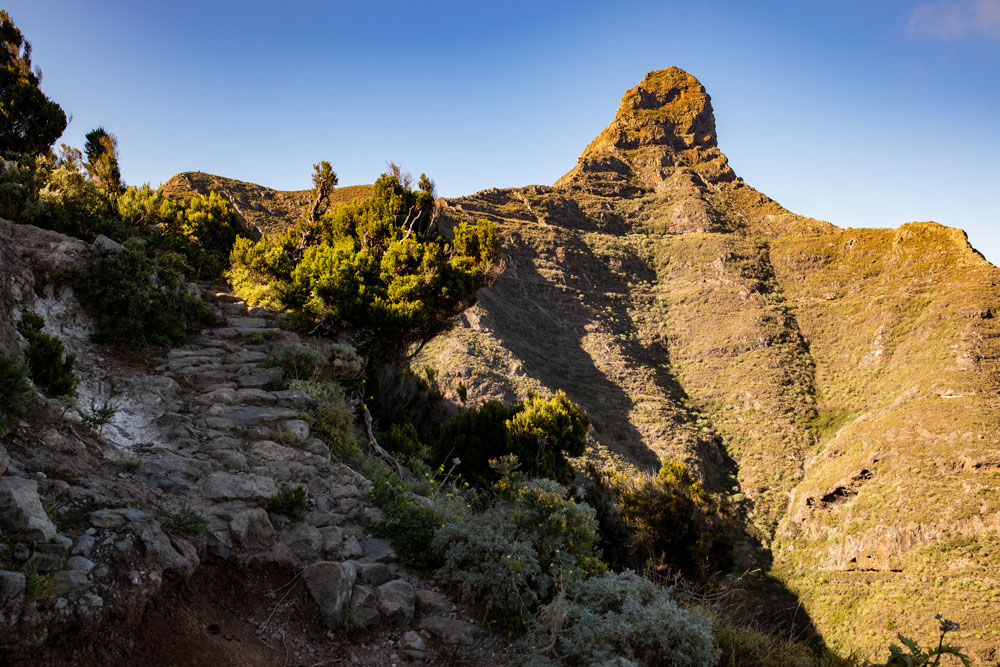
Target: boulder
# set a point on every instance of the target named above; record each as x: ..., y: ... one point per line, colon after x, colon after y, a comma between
x: 103, y: 246
x: 11, y: 587
x: 21, y: 510
x: 374, y: 574
x: 396, y: 600
x: 451, y: 631
x: 226, y: 486
x: 364, y: 608
x: 330, y: 585
x: 305, y: 541
x: 252, y: 529
x: 432, y: 603
x: 70, y: 581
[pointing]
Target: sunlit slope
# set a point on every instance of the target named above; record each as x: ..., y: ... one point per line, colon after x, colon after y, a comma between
x: 898, y: 514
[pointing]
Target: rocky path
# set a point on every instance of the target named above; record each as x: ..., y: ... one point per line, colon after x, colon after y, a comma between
x: 221, y: 440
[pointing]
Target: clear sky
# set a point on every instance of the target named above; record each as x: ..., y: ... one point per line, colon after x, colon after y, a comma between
x: 866, y: 114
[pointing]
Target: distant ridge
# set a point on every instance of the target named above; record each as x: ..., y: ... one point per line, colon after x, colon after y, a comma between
x: 265, y: 210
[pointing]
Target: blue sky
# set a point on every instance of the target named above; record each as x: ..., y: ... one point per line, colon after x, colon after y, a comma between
x: 866, y: 114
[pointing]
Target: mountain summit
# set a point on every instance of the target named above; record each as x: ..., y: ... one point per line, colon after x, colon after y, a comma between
x: 665, y: 125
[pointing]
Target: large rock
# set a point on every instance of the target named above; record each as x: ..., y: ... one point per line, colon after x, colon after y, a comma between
x: 226, y: 486
x: 364, y: 608
x: 330, y: 585
x: 452, y: 632
x: 252, y: 529
x: 11, y: 587
x: 21, y: 510
x: 396, y: 600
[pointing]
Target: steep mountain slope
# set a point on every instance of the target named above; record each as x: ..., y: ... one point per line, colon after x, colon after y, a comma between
x: 845, y: 381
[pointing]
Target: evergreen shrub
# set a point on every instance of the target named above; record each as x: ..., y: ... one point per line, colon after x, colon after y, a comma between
x: 138, y: 299
x: 49, y: 365
x: 14, y: 389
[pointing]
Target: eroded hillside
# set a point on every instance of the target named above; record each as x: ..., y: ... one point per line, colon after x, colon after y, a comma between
x: 844, y: 381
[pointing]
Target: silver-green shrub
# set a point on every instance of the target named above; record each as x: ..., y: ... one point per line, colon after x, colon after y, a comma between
x: 621, y: 619
x: 513, y: 556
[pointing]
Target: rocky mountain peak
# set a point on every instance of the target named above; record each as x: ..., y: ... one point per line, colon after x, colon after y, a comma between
x: 664, y: 125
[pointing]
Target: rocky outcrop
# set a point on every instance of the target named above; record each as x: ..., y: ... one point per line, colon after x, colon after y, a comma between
x: 664, y: 130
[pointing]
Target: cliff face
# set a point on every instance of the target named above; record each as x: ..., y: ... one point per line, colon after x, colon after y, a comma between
x: 844, y: 381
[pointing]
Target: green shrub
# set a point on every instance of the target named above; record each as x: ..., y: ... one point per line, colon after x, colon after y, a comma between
x: 139, y: 299
x: 402, y: 439
x: 301, y: 362
x: 203, y: 229
x: 50, y: 367
x: 540, y: 432
x: 544, y: 432
x: 475, y: 436
x: 624, y: 617
x: 14, y: 389
x: 334, y: 417
x: 379, y: 264
x: 100, y: 414
x: 290, y: 501
x: 511, y: 557
x: 409, y: 525
x: 674, y: 522
x: 189, y: 522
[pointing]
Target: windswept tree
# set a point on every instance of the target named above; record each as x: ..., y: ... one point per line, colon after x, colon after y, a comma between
x: 101, y: 149
x: 324, y: 180
x: 29, y: 121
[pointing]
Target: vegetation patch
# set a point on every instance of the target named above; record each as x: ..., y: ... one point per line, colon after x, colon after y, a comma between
x: 14, y: 389
x: 137, y: 298
x: 49, y: 365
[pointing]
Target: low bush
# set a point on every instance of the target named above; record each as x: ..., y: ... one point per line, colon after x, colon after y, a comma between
x: 301, y: 362
x: 14, y: 389
x: 674, y: 523
x: 623, y: 619
x: 512, y: 557
x: 334, y: 418
x: 542, y: 433
x: 49, y: 365
x: 138, y: 299
x: 404, y: 440
x: 409, y: 524
x: 290, y: 501
x: 188, y: 522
